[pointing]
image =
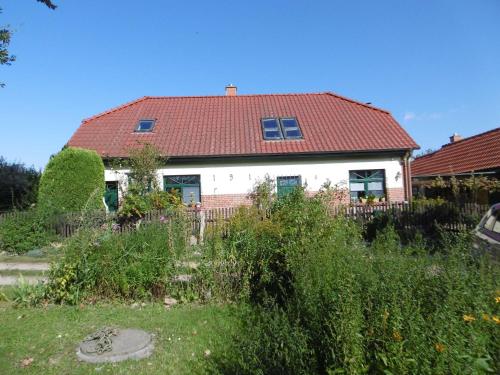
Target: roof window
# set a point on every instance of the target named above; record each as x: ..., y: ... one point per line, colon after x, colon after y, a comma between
x: 281, y: 128
x: 145, y: 126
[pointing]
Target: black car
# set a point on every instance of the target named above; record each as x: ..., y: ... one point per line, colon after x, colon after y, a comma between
x: 487, y: 233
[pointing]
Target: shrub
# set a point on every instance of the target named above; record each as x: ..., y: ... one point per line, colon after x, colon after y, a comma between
x: 24, y: 231
x: 72, y: 180
x: 103, y: 264
x: 18, y: 185
x: 323, y: 301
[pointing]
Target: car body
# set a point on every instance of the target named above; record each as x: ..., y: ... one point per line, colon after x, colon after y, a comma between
x: 487, y: 233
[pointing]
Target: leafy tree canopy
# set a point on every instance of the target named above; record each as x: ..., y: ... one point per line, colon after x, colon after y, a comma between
x: 18, y: 185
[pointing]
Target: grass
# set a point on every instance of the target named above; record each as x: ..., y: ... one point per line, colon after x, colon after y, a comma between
x: 51, y: 335
x: 24, y: 259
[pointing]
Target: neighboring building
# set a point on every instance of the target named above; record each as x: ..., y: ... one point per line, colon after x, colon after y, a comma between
x: 478, y: 155
x: 218, y: 147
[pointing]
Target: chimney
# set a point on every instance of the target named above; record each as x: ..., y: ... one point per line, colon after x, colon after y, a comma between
x: 231, y: 90
x: 455, y: 138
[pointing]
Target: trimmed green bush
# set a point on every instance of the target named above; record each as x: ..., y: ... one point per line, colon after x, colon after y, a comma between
x: 73, y: 180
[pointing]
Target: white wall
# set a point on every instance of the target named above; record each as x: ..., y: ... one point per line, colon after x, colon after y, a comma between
x: 239, y: 178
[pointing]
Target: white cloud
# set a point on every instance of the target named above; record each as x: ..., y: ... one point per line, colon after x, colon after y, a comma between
x: 409, y: 116
x: 425, y: 116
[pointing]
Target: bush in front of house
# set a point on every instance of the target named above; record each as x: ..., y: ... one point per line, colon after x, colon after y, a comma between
x: 73, y: 180
x: 103, y: 264
x: 23, y: 231
x: 317, y: 299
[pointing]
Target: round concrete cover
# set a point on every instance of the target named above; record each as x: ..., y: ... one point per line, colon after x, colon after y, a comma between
x: 128, y: 344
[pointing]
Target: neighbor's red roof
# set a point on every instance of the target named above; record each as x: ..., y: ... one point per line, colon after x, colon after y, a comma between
x: 476, y: 153
x: 230, y: 125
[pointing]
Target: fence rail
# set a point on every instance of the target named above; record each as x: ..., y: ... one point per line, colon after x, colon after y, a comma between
x: 451, y: 216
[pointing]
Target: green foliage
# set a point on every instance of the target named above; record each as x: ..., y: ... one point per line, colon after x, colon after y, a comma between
x: 323, y: 301
x: 103, y: 264
x: 24, y: 231
x: 263, y: 193
x: 143, y: 193
x: 73, y: 180
x: 18, y: 185
x: 28, y: 295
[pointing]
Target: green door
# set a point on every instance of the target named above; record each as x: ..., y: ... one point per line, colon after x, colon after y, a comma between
x: 286, y: 184
x: 111, y: 195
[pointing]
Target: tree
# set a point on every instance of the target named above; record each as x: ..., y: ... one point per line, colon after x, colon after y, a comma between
x: 5, y: 36
x: 73, y: 180
x: 18, y: 185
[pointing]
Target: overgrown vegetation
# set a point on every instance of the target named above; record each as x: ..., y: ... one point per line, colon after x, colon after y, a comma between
x: 73, y: 180
x: 317, y: 299
x: 143, y: 193
x: 24, y: 231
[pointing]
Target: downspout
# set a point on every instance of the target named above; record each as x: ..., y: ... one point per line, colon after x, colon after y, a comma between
x: 407, y: 181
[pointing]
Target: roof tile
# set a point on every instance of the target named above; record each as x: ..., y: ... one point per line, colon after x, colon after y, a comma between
x: 223, y: 126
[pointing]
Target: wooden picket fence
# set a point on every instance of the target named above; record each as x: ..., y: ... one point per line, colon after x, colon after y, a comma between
x: 451, y: 216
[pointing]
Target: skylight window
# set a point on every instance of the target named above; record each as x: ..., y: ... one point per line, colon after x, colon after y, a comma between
x: 271, y: 128
x: 291, y: 128
x: 281, y: 128
x: 145, y: 126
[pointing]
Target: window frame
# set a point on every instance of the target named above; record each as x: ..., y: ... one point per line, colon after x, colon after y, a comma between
x: 278, y: 186
x: 183, y: 185
x: 138, y: 126
x: 366, y: 181
x: 280, y: 127
x: 297, y: 127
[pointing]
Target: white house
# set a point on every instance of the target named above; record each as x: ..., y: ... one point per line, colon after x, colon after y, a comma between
x: 218, y: 147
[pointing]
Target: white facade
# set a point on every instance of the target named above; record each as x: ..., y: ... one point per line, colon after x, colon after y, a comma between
x: 230, y: 178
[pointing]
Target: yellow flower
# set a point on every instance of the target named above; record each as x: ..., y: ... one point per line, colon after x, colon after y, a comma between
x: 497, y: 299
x: 496, y: 319
x: 439, y: 347
x: 468, y: 318
x: 486, y: 317
x: 397, y: 336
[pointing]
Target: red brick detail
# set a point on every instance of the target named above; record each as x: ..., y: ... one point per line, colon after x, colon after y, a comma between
x: 396, y: 194
x: 225, y: 200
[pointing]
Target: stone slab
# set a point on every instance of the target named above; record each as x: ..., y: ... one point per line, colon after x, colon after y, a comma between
x: 128, y: 344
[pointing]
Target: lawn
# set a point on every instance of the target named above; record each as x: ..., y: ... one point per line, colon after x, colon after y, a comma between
x: 50, y: 336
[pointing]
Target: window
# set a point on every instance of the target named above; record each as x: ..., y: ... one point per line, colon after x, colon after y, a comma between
x: 188, y: 187
x: 145, y: 126
x: 286, y: 184
x: 367, y: 182
x: 290, y: 128
x: 281, y: 128
x: 271, y: 129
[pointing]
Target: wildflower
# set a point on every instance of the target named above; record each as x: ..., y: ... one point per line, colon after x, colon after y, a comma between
x: 496, y: 319
x: 497, y: 299
x: 468, y: 318
x: 486, y: 317
x: 397, y: 336
x: 439, y: 347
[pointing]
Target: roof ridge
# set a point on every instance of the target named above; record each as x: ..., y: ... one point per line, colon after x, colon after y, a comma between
x: 114, y: 109
x: 356, y: 102
x: 457, y: 142
x: 471, y: 137
x: 236, y: 96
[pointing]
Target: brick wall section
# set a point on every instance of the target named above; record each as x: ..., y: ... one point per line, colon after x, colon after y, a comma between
x: 224, y: 200
x: 396, y: 194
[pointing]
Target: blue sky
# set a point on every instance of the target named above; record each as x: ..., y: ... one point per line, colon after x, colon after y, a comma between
x: 433, y: 64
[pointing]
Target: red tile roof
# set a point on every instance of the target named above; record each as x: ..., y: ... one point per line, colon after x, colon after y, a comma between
x: 476, y: 153
x: 230, y: 126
